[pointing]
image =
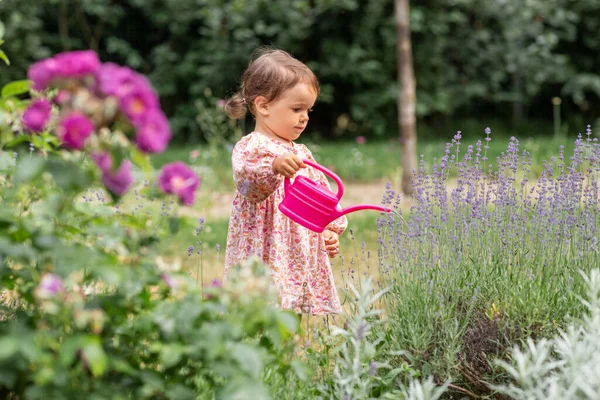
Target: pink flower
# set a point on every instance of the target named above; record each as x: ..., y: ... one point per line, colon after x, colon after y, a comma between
x: 116, y: 181
x: 49, y: 286
x: 361, y: 140
x: 42, y: 72
x: 36, y: 116
x: 111, y: 77
x: 62, y: 97
x: 221, y: 103
x: 114, y: 80
x: 72, y: 64
x: 137, y: 103
x: 153, y: 133
x: 169, y: 280
x: 75, y: 64
x: 74, y: 129
x: 194, y: 154
x: 177, y: 178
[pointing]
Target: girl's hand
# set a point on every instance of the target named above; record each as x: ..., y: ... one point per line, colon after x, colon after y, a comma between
x: 332, y: 243
x: 287, y: 164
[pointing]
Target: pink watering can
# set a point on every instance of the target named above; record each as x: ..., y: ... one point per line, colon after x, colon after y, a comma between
x: 313, y: 205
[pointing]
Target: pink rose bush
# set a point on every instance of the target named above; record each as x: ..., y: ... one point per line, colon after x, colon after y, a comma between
x: 94, y: 98
x: 177, y: 178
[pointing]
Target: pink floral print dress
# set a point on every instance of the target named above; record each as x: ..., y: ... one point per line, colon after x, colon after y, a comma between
x: 296, y: 256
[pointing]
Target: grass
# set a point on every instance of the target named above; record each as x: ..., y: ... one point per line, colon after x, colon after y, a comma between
x: 373, y: 161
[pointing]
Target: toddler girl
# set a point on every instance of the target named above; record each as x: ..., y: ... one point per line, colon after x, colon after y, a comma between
x: 279, y: 91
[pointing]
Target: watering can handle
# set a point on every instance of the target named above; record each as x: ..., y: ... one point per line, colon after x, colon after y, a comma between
x: 333, y: 176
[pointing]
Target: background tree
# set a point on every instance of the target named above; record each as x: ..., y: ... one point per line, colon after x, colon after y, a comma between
x: 477, y: 59
x: 406, y: 100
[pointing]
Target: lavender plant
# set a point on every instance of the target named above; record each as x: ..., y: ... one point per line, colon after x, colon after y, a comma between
x: 565, y: 367
x: 490, y: 256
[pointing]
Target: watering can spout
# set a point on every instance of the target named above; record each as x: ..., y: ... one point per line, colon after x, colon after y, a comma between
x: 360, y: 207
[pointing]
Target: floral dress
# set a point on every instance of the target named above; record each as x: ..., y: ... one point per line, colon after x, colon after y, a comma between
x: 296, y: 256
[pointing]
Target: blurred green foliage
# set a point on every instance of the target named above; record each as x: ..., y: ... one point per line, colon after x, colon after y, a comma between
x: 472, y: 57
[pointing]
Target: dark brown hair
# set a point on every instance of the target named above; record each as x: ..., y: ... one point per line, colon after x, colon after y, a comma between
x: 269, y: 75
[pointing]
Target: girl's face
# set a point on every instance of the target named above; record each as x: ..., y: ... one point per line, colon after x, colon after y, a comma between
x: 287, y: 116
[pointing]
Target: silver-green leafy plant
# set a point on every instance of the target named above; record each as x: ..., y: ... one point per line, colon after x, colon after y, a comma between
x: 566, y: 367
x: 357, y: 373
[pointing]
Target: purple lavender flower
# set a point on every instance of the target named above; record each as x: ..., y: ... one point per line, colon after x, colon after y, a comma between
x: 74, y: 129
x: 36, y: 116
x: 50, y: 285
x: 373, y: 368
x: 153, y: 133
x: 216, y: 283
x: 177, y: 178
x: 116, y: 181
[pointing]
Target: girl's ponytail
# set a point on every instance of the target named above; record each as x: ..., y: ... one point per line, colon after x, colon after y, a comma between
x: 236, y: 107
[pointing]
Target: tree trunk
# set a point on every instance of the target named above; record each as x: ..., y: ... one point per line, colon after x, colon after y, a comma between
x: 517, y: 88
x: 406, y: 101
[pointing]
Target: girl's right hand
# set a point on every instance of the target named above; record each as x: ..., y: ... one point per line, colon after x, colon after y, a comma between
x: 288, y: 164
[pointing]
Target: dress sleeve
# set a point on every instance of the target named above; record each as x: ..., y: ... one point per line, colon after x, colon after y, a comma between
x: 253, y: 170
x: 338, y: 225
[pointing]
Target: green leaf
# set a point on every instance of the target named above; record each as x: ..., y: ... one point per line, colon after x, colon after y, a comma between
x: 8, y: 346
x: 29, y: 169
x: 123, y: 366
x: 141, y: 160
x: 180, y: 392
x: 300, y: 369
x: 44, y: 242
x: 287, y: 323
x: 69, y: 176
x: 173, y: 225
x: 7, y: 162
x: 18, y: 140
x: 244, y: 389
x: 170, y: 354
x: 95, y: 355
x: 8, y: 377
x: 4, y: 57
x: 68, y: 350
x: 16, y: 88
x: 248, y: 359
x: 16, y: 250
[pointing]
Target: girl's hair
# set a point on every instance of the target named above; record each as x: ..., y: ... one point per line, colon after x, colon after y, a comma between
x: 269, y: 75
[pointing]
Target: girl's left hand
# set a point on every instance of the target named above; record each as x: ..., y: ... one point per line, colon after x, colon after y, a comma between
x: 332, y: 243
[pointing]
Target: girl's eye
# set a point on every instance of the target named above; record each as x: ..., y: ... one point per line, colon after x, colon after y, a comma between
x: 295, y: 109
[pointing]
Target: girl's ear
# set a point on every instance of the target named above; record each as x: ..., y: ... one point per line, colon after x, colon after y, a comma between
x: 261, y: 105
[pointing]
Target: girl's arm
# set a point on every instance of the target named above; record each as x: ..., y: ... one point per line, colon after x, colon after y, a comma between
x: 253, y: 171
